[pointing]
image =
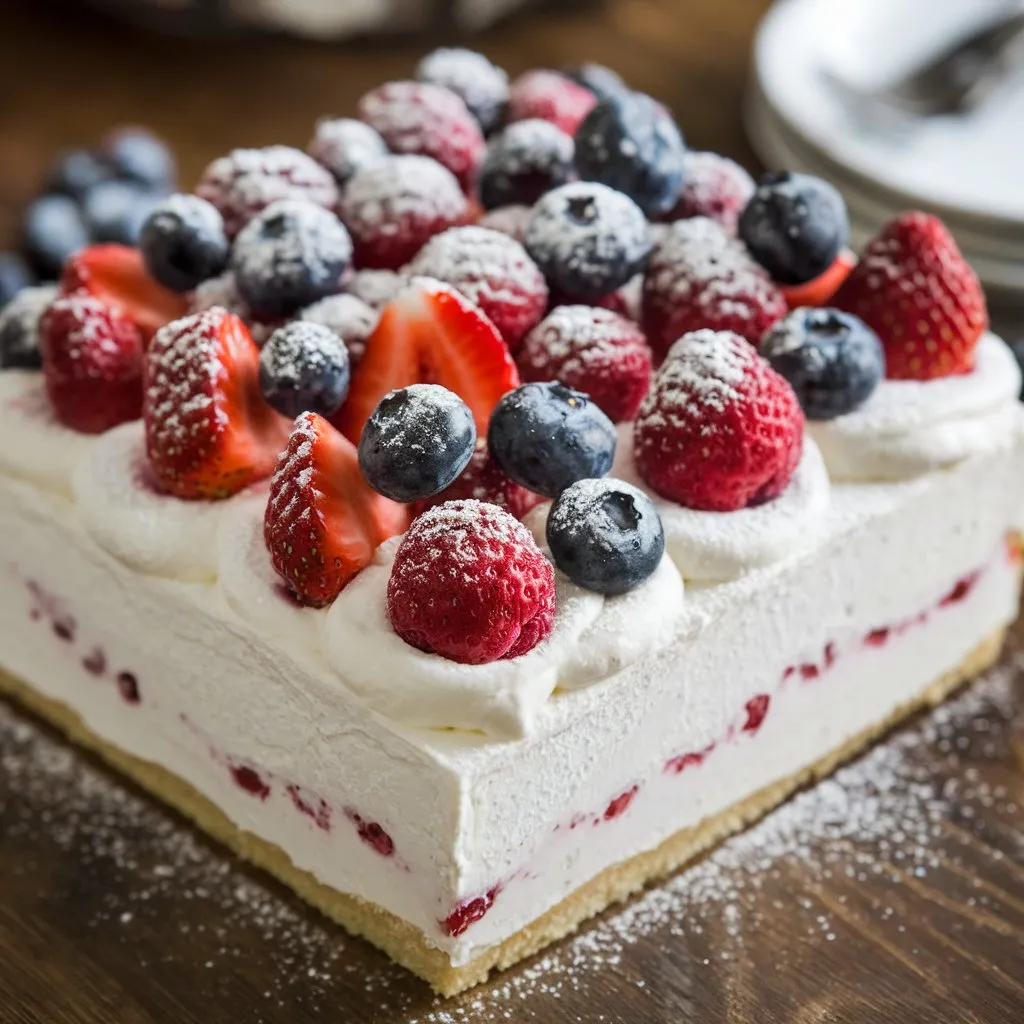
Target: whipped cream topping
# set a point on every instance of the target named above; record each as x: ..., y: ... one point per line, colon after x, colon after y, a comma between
x: 910, y: 427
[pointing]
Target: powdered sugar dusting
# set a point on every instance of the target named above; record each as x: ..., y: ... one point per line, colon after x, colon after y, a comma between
x: 482, y: 86
x: 344, y: 146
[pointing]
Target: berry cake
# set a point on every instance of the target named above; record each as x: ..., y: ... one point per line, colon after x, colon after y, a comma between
x: 469, y: 577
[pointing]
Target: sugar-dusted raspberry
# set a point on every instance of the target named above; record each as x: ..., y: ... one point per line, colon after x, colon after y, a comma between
x: 246, y: 181
x: 509, y: 220
x: 344, y: 145
x: 393, y: 208
x: 592, y: 350
x: 552, y: 97
x: 470, y: 584
x: 524, y: 161
x: 482, y: 86
x: 375, y: 287
x: 719, y: 430
x: 351, y: 319
x: 428, y: 120
x: 491, y: 270
x: 698, y: 277
x: 713, y: 186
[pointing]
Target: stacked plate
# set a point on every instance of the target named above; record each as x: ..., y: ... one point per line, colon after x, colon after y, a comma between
x: 816, y: 60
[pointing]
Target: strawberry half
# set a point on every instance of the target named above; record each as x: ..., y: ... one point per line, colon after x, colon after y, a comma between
x: 209, y: 433
x: 323, y: 521
x: 430, y: 334
x: 916, y: 291
x: 116, y: 274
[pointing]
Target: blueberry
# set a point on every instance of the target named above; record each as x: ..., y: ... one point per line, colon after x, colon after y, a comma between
x: 587, y: 239
x: 138, y: 155
x: 418, y: 440
x: 14, y: 275
x: 833, y: 360
x: 1017, y: 348
x: 547, y: 436
x: 19, y: 327
x: 289, y: 255
x: 304, y: 367
x: 53, y: 230
x: 601, y: 81
x: 345, y: 146
x: 605, y: 535
x: 794, y: 226
x: 183, y: 242
x: 523, y: 162
x: 76, y: 171
x: 482, y: 86
x: 631, y: 144
x: 115, y: 211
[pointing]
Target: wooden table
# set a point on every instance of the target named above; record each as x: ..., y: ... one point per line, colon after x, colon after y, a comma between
x: 893, y: 895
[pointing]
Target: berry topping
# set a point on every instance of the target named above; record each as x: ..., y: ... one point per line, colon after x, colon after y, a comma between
x: 249, y: 180
x: 832, y: 360
x: 629, y: 143
x: 795, y: 226
x: 418, y: 440
x: 551, y: 97
x: 137, y: 155
x: 713, y: 186
x: 323, y: 523
x: 14, y: 276
x: 289, y: 255
x: 917, y: 292
x: 393, y: 207
x: 509, y: 220
x: 92, y: 364
x: 115, y: 211
x: 601, y: 81
x: 431, y: 334
x: 351, y: 319
x: 547, y: 436
x: 470, y: 584
x: 491, y: 270
x: 591, y: 350
x: 472, y: 77
x: 698, y: 277
x: 116, y: 274
x: 719, y: 430
x: 304, y: 367
x: 19, y: 328
x: 344, y: 146
x: 76, y: 171
x: 587, y: 239
x: 426, y: 120
x: 523, y: 162
x: 183, y: 242
x: 208, y: 431
x: 52, y: 231
x: 605, y: 535
x: 821, y: 290
x: 375, y: 287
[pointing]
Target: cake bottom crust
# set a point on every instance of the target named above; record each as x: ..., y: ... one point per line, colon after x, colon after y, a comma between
x: 406, y: 944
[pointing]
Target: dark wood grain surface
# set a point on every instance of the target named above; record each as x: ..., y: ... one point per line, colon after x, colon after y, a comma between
x: 892, y: 894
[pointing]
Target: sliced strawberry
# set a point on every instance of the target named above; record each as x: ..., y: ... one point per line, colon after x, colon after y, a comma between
x: 209, y: 433
x: 117, y: 275
x: 430, y: 334
x: 323, y: 521
x: 819, y: 292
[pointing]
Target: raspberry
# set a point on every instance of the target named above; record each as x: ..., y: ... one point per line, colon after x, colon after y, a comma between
x: 592, y: 350
x: 469, y: 583
x: 551, y: 97
x: 509, y: 220
x: 713, y: 186
x: 719, y: 430
x: 481, y: 86
x: 698, y: 277
x: 426, y: 120
x: 246, y: 181
x: 344, y: 146
x: 392, y: 208
x: 491, y: 270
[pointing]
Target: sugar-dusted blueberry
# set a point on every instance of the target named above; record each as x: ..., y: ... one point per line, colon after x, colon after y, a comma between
x: 344, y: 145
x: 76, y: 171
x: 631, y: 144
x: 587, y: 238
x: 115, y: 211
x: 304, y: 368
x: 482, y: 86
x: 546, y: 436
x: 53, y: 230
x: 136, y: 154
x: 605, y: 535
x: 289, y: 255
x: 19, y: 327
x: 416, y: 442
x: 795, y: 226
x: 601, y: 81
x: 832, y: 360
x: 525, y: 160
x: 183, y: 242
x: 14, y: 276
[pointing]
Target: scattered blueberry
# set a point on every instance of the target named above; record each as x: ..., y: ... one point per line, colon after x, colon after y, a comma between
x: 114, y: 211
x: 482, y: 86
x: 833, y: 360
x: 289, y: 255
x: 14, y: 275
x: 587, y: 239
x: 547, y: 436
x: 304, y: 367
x: 605, y: 535
x: 138, y: 155
x: 601, y: 81
x: 523, y: 162
x: 418, y: 440
x: 19, y: 328
x: 53, y: 230
x: 75, y: 172
x: 794, y: 226
x: 631, y: 144
x: 345, y: 146
x: 1017, y: 348
x: 183, y: 242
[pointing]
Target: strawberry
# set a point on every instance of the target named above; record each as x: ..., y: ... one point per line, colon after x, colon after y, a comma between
x: 820, y: 291
x: 429, y: 333
x: 116, y: 274
x: 92, y: 364
x: 323, y: 521
x: 915, y: 290
x: 209, y: 433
